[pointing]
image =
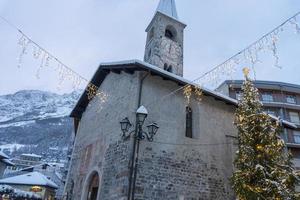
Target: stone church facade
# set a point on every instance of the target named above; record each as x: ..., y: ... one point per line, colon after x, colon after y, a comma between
x: 174, y: 165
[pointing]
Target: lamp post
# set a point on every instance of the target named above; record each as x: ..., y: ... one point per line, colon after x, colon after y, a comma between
x: 141, y: 115
x: 139, y: 134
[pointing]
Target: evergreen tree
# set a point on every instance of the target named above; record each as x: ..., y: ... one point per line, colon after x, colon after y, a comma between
x: 263, y: 165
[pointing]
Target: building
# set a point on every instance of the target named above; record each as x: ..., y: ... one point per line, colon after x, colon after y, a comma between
x: 25, y: 161
x: 53, y: 172
x: 32, y: 182
x: 279, y: 99
x: 190, y: 157
x: 4, y: 163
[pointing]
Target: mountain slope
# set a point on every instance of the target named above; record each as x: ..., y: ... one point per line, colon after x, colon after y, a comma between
x: 38, y: 120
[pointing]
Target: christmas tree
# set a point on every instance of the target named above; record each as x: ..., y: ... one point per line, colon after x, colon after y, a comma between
x: 263, y: 165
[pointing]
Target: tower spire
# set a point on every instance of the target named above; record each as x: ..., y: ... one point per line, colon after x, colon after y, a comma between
x: 168, y: 7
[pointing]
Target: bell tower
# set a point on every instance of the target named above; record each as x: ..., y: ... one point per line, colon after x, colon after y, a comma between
x: 164, y: 45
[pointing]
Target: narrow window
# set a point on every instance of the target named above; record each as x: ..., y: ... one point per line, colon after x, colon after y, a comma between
x: 296, y: 136
x: 151, y: 35
x: 149, y: 53
x: 170, y: 68
x: 165, y: 66
x: 189, y: 123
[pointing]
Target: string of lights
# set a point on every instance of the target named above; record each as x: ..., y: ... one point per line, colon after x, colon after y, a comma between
x: 250, y: 53
x: 192, y: 144
x: 46, y: 59
x: 226, y: 68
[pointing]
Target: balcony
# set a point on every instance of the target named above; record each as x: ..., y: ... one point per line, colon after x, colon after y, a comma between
x: 292, y: 145
x: 281, y: 104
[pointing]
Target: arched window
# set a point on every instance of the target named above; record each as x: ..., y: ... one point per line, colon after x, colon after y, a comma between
x: 171, y: 33
x: 168, y: 68
x: 189, y: 122
x: 93, y: 187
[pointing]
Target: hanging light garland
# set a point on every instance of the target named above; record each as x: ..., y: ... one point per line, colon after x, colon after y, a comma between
x: 267, y: 43
x: 47, y: 59
x: 64, y: 72
x: 228, y: 68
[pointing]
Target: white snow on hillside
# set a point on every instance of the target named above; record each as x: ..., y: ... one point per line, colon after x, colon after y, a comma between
x: 27, y: 106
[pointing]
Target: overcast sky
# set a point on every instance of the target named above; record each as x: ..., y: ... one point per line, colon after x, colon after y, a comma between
x: 84, y: 33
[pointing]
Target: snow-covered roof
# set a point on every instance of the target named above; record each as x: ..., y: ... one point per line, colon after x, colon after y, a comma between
x: 168, y: 7
x: 7, y: 162
x: 33, y: 178
x: 32, y: 155
x: 137, y: 64
x: 132, y: 65
x: 3, y: 155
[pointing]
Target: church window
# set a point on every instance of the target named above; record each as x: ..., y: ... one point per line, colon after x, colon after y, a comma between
x: 151, y: 35
x: 189, y: 123
x: 170, y: 33
x: 149, y: 53
x: 168, y: 68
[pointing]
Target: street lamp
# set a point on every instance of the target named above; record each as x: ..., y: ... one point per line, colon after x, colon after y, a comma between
x: 141, y: 115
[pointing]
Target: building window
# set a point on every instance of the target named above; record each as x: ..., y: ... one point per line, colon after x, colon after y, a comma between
x: 239, y: 95
x: 168, y: 68
x: 296, y: 136
x: 151, y: 35
x: 170, y: 33
x: 267, y: 97
x: 294, y: 117
x: 149, y: 53
x: 291, y: 99
x: 189, y: 122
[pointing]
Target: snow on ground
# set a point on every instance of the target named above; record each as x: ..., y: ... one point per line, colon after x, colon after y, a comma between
x: 22, y: 123
x: 11, y: 147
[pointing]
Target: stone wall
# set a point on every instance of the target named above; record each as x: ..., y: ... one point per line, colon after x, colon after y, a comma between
x: 98, y: 144
x: 176, y: 167
x: 172, y: 166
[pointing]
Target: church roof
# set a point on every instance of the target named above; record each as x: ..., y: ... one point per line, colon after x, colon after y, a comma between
x: 129, y: 66
x: 168, y: 7
x: 33, y: 178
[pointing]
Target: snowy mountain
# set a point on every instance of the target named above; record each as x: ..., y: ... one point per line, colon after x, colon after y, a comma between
x: 35, y: 121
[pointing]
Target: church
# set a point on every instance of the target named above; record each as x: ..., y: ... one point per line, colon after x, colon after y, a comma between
x: 146, y: 141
